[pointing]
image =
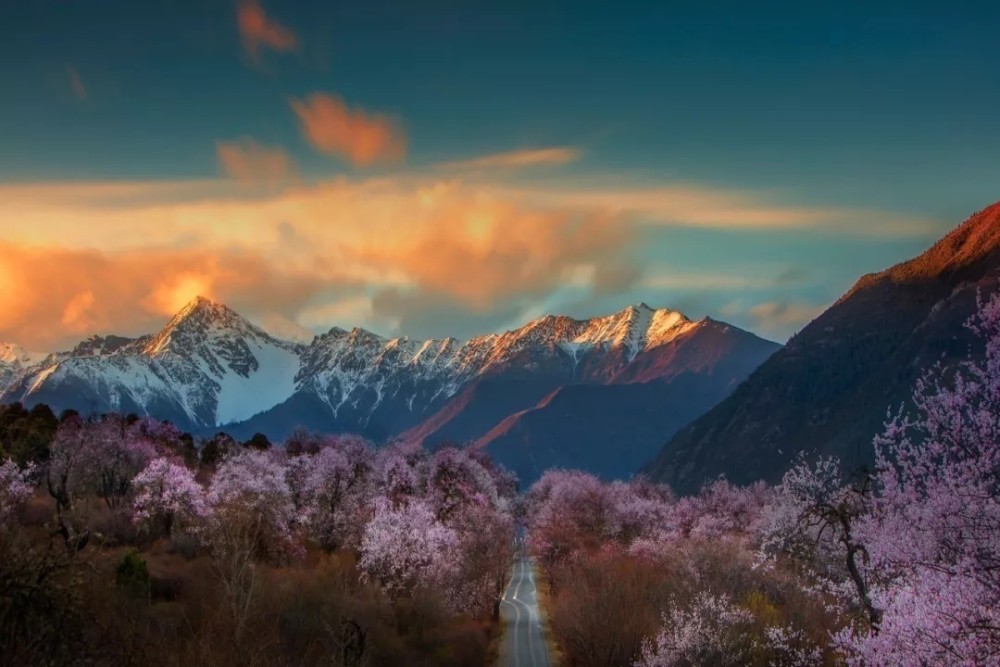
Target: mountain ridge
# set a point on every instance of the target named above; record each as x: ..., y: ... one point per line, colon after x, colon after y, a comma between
x: 209, y: 368
x: 828, y: 390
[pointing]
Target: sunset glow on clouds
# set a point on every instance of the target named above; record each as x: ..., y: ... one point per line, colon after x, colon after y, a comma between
x: 530, y: 157
x: 82, y: 258
x: 358, y: 136
x: 258, y: 30
x: 423, y: 177
x: 54, y: 296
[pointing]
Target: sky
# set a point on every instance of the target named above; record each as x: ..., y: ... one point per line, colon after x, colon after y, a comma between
x: 446, y: 167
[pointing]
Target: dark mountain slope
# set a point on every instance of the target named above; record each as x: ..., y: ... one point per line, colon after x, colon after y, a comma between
x: 829, y: 389
x: 609, y: 428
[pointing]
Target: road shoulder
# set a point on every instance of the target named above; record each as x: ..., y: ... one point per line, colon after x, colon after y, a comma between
x: 543, y: 597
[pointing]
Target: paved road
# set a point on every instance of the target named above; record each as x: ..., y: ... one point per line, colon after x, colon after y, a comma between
x: 519, y: 610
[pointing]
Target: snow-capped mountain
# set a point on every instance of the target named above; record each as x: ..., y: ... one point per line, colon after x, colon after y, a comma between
x: 209, y: 368
x: 14, y: 359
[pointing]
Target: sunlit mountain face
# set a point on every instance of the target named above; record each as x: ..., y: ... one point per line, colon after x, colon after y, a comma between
x: 643, y: 371
x: 639, y: 334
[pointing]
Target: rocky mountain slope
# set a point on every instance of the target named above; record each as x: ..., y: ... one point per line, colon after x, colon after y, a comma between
x: 829, y: 389
x: 15, y: 360
x: 210, y: 369
x: 207, y: 367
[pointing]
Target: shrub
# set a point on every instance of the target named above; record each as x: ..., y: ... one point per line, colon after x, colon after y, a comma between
x: 132, y: 575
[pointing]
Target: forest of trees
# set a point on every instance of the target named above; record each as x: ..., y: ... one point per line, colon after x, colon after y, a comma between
x: 122, y: 542
x: 896, y: 567
x: 121, y: 545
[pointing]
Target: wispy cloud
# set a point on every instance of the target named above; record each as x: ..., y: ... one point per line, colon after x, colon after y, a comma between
x: 696, y: 205
x: 403, y: 250
x: 361, y: 137
x: 702, y: 281
x: 249, y: 162
x: 782, y: 315
x: 528, y: 157
x: 76, y: 84
x: 320, y: 246
x: 258, y: 30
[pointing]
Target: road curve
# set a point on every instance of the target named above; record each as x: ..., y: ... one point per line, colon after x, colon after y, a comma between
x: 522, y: 623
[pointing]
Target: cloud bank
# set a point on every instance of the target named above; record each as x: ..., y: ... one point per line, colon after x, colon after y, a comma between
x: 414, y: 254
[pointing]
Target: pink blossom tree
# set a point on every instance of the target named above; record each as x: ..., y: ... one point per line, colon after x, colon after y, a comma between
x: 116, y: 449
x: 396, y: 475
x: 457, y: 479
x: 16, y: 487
x: 933, y: 534
x: 707, y: 632
x: 569, y: 511
x: 486, y: 547
x: 813, y: 517
x: 251, y: 507
x: 443, y: 520
x: 65, y: 473
x: 332, y: 486
x: 639, y: 511
x: 712, y: 630
x: 405, y: 547
x: 167, y: 495
x: 99, y: 457
x: 720, y: 510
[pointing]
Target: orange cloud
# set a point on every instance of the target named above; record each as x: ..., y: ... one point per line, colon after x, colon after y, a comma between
x: 52, y: 296
x: 694, y: 205
x: 481, y: 251
x: 397, y: 251
x: 76, y: 83
x: 75, y: 314
x: 258, y: 30
x: 530, y: 157
x: 249, y: 162
x: 314, y: 254
x: 362, y: 138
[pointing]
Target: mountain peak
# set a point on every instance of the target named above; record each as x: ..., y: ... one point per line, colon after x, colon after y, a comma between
x: 362, y: 334
x: 970, y: 241
x: 13, y: 353
x: 200, y: 320
x: 201, y: 304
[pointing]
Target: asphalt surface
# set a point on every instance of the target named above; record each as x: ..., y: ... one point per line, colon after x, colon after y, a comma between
x: 519, y: 611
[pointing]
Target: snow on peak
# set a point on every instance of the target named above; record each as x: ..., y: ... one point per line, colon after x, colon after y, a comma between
x: 203, y: 322
x: 210, y: 350
x: 12, y: 353
x: 217, y: 367
x: 635, y: 328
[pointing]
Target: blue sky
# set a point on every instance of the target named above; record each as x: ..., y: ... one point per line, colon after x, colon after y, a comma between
x: 882, y: 115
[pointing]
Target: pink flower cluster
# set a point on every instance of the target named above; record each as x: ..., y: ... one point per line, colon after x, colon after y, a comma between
x: 933, y: 531
x: 16, y: 486
x: 441, y: 520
